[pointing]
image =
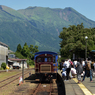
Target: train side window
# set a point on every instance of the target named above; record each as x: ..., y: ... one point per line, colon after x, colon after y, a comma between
x: 53, y: 59
x: 42, y: 59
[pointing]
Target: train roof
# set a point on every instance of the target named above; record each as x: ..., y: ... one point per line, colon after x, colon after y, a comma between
x: 47, y: 52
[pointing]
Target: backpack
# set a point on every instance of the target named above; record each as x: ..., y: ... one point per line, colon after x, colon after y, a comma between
x: 88, y: 66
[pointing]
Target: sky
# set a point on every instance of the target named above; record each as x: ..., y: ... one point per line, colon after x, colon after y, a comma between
x: 85, y: 7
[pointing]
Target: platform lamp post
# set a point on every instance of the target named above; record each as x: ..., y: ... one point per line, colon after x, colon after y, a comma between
x: 86, y: 47
x: 23, y: 71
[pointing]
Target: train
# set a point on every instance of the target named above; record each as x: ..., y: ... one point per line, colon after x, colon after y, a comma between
x: 16, y: 65
x: 46, y: 65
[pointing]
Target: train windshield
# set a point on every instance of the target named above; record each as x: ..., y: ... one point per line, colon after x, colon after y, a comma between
x: 49, y: 59
x: 44, y: 59
x: 39, y: 60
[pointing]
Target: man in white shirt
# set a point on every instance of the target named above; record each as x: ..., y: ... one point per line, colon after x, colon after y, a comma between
x: 66, y: 65
x: 75, y: 62
x: 83, y: 63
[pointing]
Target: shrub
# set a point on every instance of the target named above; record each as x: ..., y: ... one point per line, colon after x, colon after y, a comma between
x: 31, y: 62
x: 3, y: 65
x: 1, y: 68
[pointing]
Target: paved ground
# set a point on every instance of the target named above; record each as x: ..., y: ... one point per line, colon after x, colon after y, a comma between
x: 85, y: 88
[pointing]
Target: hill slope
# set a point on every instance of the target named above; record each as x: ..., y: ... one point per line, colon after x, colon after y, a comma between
x: 37, y: 26
x: 57, y: 18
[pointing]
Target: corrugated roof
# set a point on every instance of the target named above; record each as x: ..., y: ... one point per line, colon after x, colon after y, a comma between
x: 3, y: 44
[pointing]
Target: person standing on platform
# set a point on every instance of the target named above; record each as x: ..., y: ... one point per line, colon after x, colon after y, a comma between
x: 94, y: 66
x: 75, y: 62
x: 63, y: 70
x: 83, y: 65
x: 79, y: 70
x: 66, y: 65
x: 61, y: 63
x: 71, y: 67
x: 87, y: 69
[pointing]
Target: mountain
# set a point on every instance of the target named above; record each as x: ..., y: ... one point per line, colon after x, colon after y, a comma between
x: 37, y: 25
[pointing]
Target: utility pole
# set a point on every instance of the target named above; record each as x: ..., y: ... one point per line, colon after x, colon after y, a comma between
x: 86, y: 47
x: 23, y: 71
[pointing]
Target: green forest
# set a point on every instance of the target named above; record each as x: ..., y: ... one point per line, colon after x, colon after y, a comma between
x: 73, y: 41
x: 26, y: 52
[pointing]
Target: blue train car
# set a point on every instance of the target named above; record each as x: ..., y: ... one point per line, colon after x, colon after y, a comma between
x: 46, y: 65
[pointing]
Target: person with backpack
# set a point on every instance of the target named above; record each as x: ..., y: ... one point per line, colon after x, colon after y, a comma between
x: 87, y: 70
x: 79, y: 70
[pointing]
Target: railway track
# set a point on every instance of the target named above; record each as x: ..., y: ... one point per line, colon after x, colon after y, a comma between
x: 1, y: 71
x: 55, y: 87
x: 46, y: 89
x: 11, y: 79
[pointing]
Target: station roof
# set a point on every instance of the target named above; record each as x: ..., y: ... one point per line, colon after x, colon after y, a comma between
x: 9, y: 60
x: 17, y: 59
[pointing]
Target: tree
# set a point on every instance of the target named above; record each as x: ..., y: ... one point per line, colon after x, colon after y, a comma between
x: 19, y: 48
x: 33, y: 50
x: 25, y: 51
x: 19, y: 55
x: 73, y: 40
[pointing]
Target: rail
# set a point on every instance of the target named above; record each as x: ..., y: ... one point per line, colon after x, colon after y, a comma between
x: 11, y: 79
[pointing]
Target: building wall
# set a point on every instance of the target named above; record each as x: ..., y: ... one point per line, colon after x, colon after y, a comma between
x: 20, y: 63
x: 25, y: 64
x: 3, y: 53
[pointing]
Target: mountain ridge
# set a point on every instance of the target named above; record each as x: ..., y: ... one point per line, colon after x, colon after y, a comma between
x: 37, y: 25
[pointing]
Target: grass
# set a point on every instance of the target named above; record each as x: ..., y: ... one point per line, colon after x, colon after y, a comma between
x: 32, y: 66
x: 13, y: 88
x: 5, y: 75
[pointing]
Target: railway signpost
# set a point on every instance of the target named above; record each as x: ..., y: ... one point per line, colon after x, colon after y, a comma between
x: 20, y: 80
x: 23, y: 71
x: 7, y: 68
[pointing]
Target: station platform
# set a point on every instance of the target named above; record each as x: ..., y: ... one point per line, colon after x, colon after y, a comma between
x: 84, y: 88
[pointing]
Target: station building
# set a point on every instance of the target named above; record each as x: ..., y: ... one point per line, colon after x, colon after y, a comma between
x: 3, y: 53
x: 14, y: 62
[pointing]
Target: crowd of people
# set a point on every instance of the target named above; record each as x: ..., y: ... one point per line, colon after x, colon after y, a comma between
x: 71, y: 69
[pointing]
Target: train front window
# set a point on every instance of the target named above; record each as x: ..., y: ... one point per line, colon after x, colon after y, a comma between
x: 39, y: 60
x: 45, y: 59
x: 49, y: 59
